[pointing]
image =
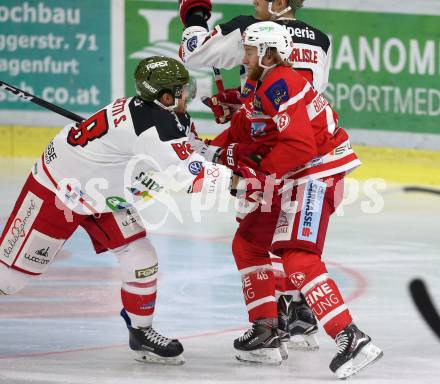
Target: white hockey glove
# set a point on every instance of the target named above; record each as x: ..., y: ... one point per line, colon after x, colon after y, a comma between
x: 210, y: 153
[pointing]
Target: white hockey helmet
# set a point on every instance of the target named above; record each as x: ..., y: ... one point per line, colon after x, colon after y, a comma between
x: 267, y: 34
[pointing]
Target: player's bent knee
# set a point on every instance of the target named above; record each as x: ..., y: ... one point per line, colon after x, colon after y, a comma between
x: 11, y: 280
x: 300, y: 262
x: 138, y: 261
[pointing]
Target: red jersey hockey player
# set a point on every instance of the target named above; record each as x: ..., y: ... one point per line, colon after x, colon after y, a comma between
x: 222, y: 48
x: 311, y: 155
x: 121, y: 144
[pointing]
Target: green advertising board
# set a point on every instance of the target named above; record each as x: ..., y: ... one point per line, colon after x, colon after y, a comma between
x: 58, y: 50
x: 385, y: 71
x: 154, y: 28
x: 385, y: 66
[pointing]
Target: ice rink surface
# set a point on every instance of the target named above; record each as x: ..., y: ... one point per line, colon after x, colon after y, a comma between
x: 65, y: 327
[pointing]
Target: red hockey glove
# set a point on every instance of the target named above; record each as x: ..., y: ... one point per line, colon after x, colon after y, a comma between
x: 247, y: 154
x: 253, y: 185
x: 186, y: 6
x: 223, y: 104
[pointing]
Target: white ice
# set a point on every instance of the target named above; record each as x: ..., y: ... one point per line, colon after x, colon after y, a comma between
x: 65, y: 328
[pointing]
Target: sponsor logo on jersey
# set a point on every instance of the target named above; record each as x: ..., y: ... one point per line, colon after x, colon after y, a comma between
x: 146, y: 272
x: 311, y: 210
x: 49, y: 153
x: 342, y: 149
x: 44, y: 259
x: 131, y: 218
x: 297, y: 279
x: 149, y: 305
x: 138, y: 102
x: 277, y: 93
x: 257, y: 104
x: 284, y: 226
x: 191, y: 43
x: 258, y: 129
x: 323, y: 299
x: 283, y: 121
x: 19, y: 227
x: 316, y: 161
x: 247, y: 90
x: 38, y: 251
x: 116, y: 203
x: 301, y: 32
x: 149, y: 183
x: 195, y: 167
x: 129, y: 222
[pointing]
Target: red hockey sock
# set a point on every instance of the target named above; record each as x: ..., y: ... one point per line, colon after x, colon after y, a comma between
x: 307, y: 272
x: 139, y: 300
x: 257, y: 277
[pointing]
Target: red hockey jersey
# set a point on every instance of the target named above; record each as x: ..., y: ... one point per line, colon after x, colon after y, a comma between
x: 286, y: 113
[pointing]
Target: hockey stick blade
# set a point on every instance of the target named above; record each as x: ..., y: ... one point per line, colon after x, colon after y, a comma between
x: 424, y: 304
x: 42, y: 103
x: 411, y: 188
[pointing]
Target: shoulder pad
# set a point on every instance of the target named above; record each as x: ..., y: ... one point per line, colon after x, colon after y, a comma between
x: 239, y: 22
x: 147, y: 115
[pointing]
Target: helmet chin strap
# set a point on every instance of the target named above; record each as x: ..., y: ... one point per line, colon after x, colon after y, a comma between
x: 168, y: 108
x: 276, y: 15
x: 266, y: 67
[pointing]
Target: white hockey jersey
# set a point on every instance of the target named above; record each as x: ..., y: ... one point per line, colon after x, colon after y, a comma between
x: 129, y: 148
x: 222, y: 47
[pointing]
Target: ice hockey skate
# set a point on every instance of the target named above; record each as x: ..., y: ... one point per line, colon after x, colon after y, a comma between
x: 152, y: 347
x: 260, y: 344
x: 284, y: 315
x: 355, y: 352
x: 297, y: 324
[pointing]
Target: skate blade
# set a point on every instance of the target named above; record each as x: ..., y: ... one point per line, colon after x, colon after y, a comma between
x: 266, y: 356
x: 367, y: 356
x: 304, y: 343
x: 151, y: 358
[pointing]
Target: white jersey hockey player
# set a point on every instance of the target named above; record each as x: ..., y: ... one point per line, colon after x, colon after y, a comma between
x: 85, y: 179
x: 222, y: 46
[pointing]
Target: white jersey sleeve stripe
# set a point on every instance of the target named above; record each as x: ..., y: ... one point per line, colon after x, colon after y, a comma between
x: 293, y: 100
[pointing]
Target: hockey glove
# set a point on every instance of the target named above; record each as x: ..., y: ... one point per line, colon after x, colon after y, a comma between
x: 248, y: 154
x: 224, y: 104
x: 186, y: 7
x: 209, y: 152
x: 252, y: 185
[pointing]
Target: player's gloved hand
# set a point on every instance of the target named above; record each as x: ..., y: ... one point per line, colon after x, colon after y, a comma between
x: 252, y: 185
x: 224, y: 104
x: 247, y: 154
x: 188, y: 6
x: 209, y: 152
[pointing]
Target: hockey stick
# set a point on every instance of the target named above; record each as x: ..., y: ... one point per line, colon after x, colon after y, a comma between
x: 218, y: 80
x: 424, y: 304
x: 42, y: 103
